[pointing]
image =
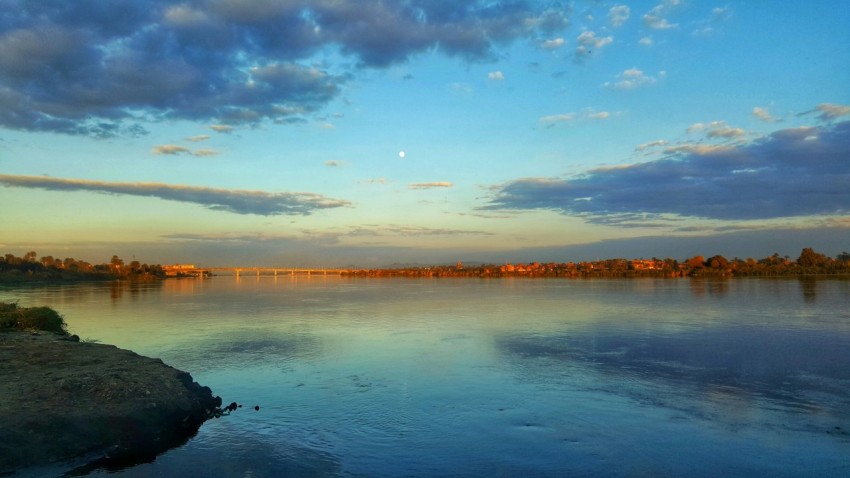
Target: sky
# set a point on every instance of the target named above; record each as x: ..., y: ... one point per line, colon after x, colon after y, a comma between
x: 326, y: 133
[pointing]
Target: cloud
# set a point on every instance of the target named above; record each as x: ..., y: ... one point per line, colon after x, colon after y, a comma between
x: 333, y: 164
x: 496, y: 76
x: 221, y: 128
x: 172, y: 149
x: 791, y: 172
x: 631, y: 79
x: 204, y: 152
x: 588, y: 41
x: 646, y: 41
x: 437, y: 184
x: 104, y: 68
x: 710, y: 26
x: 656, y: 17
x: 583, y: 115
x: 725, y: 132
x: 829, y: 111
x: 229, y: 200
x: 560, y: 118
x: 376, y: 181
x: 198, y: 138
x: 764, y: 115
x: 411, y: 231
x: 699, y: 149
x: 618, y: 15
x: 716, y: 129
x: 553, y: 43
x: 652, y: 144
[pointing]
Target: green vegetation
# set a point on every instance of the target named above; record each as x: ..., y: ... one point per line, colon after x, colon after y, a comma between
x: 13, y: 317
x: 30, y: 268
x: 809, y: 263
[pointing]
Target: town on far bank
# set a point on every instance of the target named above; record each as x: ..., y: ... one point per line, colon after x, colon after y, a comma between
x: 30, y: 267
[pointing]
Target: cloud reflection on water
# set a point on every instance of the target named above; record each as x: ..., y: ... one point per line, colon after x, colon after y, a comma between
x: 751, y: 369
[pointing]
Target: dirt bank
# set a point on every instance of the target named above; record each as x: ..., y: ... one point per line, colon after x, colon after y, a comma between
x: 66, y: 401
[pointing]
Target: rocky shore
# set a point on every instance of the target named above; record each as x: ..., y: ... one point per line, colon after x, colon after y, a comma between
x: 91, y: 405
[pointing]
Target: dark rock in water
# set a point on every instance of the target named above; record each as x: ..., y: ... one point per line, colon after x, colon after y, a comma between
x: 92, y: 405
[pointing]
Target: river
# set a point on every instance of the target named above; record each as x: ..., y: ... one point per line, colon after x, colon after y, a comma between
x: 500, y: 377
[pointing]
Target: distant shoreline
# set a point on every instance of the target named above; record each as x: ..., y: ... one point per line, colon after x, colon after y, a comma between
x: 28, y: 269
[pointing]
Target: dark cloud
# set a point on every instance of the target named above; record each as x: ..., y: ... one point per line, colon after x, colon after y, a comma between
x: 230, y: 200
x: 102, y: 68
x: 792, y: 172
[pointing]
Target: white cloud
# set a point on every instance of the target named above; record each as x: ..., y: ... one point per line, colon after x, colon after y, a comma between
x: 631, y: 79
x: 553, y: 44
x: 619, y: 14
x: 557, y: 118
x: 436, y: 184
x: 721, y: 13
x: 763, y: 114
x: 585, y: 114
x: 461, y: 88
x: 587, y: 41
x: 646, y: 41
x: 656, y: 17
x: 495, y: 76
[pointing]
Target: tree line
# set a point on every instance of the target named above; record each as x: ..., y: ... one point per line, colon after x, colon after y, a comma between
x: 809, y: 262
x: 31, y: 267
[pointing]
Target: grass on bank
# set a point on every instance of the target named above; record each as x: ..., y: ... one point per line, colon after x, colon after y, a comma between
x: 46, y: 319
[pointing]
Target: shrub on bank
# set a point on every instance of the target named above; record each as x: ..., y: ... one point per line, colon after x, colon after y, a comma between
x: 31, y: 318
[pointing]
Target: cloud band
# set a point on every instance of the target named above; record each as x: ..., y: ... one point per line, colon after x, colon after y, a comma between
x: 230, y: 200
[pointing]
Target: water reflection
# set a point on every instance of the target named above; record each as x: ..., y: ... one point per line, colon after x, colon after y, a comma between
x: 809, y: 288
x: 482, y: 378
x: 711, y: 286
x: 743, y: 368
x: 245, y: 349
x: 230, y: 451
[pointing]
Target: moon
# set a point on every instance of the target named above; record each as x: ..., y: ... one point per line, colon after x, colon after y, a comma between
x: 401, y: 154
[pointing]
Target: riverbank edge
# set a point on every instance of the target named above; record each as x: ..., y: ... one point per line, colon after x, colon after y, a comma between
x: 89, y: 405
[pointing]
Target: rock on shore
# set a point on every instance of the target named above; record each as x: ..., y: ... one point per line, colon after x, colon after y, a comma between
x: 67, y: 401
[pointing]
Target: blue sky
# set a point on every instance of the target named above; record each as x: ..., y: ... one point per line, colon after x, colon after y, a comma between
x: 271, y: 132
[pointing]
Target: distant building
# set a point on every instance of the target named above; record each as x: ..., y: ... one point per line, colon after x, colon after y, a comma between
x: 175, y: 270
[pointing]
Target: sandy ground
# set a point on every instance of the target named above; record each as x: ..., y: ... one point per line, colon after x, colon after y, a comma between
x: 91, y: 404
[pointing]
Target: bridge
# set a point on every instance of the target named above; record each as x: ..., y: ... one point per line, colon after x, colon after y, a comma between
x: 201, y: 272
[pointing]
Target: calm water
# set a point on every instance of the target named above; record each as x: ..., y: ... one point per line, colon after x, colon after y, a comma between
x: 495, y: 377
